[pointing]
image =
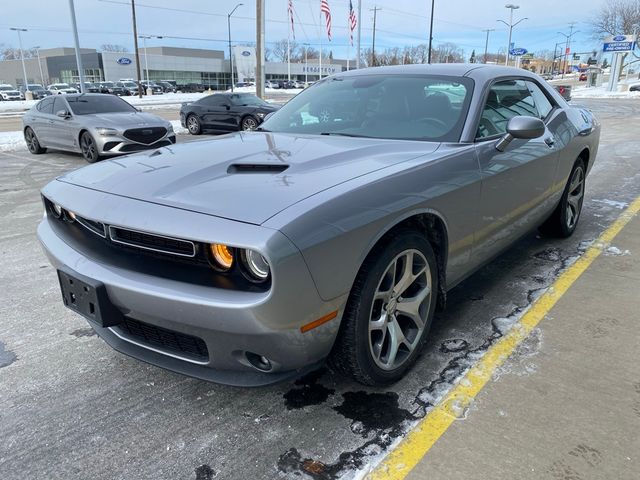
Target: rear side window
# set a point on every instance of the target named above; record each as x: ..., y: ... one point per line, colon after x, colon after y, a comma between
x: 543, y: 104
x: 507, y: 99
x: 46, y: 105
x: 59, y: 105
x: 211, y: 100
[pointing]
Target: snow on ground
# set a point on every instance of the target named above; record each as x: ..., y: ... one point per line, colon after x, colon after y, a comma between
x: 10, y: 141
x: 178, y: 128
x: 601, y: 92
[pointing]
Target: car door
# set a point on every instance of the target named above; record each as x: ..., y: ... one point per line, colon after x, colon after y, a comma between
x: 215, y: 111
x: 517, y: 184
x: 39, y: 120
x: 62, y: 128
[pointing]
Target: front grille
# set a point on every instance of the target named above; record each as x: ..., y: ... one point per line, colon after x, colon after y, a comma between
x: 136, y: 147
x: 164, y: 339
x: 145, y: 135
x: 156, y: 243
x: 96, y: 227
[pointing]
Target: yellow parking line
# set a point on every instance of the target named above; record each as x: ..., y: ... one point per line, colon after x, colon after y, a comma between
x: 401, y: 460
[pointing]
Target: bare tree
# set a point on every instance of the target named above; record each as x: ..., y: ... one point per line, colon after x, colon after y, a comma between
x: 279, y: 50
x: 616, y: 17
x: 109, y: 47
x: 448, y: 52
x: 11, y: 53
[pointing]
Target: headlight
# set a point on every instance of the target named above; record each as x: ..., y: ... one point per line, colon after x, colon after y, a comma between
x: 106, y: 132
x: 260, y: 115
x: 256, y: 265
x: 222, y: 256
x: 57, y: 210
x: 169, y: 128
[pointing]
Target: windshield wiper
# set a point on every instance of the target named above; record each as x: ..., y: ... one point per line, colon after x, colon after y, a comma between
x: 260, y: 129
x: 343, y: 134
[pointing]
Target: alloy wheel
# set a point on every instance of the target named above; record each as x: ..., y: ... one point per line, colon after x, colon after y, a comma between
x: 88, y: 147
x: 193, y: 125
x: 249, y: 123
x: 32, y: 141
x: 400, y: 309
x: 575, y: 197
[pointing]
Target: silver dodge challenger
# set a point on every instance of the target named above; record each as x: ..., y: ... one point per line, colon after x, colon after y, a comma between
x: 96, y: 125
x: 331, y: 233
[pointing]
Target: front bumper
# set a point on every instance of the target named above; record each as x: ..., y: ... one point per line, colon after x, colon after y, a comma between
x: 119, y: 145
x: 229, y: 322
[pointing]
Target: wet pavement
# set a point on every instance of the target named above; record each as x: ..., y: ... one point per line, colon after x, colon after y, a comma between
x: 71, y: 407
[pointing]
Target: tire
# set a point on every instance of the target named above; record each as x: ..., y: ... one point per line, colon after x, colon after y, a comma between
x: 248, y: 123
x: 33, y: 144
x: 89, y: 148
x: 193, y: 125
x: 377, y: 314
x: 564, y: 220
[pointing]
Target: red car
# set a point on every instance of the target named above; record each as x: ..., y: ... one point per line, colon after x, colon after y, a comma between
x: 583, y: 77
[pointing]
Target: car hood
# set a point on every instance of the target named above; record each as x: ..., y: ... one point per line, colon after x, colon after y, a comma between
x: 247, y: 176
x: 125, y: 120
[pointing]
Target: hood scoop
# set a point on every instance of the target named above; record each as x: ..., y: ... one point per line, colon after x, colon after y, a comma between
x: 236, y: 168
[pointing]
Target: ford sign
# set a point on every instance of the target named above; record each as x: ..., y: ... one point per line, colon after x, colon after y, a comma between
x: 246, y: 53
x: 619, y: 38
x: 124, y: 61
x: 518, y: 51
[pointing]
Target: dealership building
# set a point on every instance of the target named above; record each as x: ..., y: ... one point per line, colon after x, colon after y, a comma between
x: 182, y: 65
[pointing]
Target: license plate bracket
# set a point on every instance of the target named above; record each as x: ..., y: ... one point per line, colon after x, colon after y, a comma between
x: 88, y: 297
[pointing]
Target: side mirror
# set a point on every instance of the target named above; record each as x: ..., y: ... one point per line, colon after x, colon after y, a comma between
x: 63, y: 114
x: 523, y: 127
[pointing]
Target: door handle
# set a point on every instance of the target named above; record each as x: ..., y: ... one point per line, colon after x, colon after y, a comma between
x: 549, y: 141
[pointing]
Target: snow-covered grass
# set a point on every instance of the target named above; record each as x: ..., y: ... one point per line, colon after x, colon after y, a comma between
x: 601, y: 92
x: 11, y: 141
x: 179, y: 129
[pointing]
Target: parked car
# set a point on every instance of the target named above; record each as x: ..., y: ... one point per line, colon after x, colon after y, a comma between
x: 88, y: 87
x: 130, y: 86
x: 94, y: 124
x: 192, y: 88
x: 271, y: 84
x: 298, y: 84
x: 9, y: 92
x: 244, y: 84
x: 635, y: 87
x: 167, y: 87
x: 61, y: 88
x: 252, y: 257
x: 37, y: 90
x: 582, y: 77
x: 225, y: 112
x: 155, y: 88
x: 113, y: 89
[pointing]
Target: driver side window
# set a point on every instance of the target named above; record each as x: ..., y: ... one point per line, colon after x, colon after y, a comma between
x: 506, y: 99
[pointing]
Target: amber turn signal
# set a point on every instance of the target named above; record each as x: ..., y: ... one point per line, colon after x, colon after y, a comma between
x: 222, y: 256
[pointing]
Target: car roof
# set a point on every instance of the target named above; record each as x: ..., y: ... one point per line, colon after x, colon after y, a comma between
x: 477, y: 71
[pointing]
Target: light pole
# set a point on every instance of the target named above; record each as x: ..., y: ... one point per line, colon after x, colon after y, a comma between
x: 306, y: 64
x: 566, y: 48
x: 433, y: 2
x: 24, y: 69
x: 146, y: 62
x: 229, y: 30
x: 39, y: 64
x: 511, y: 7
x: 76, y: 39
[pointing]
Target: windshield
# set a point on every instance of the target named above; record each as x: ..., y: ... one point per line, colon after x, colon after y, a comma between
x: 35, y: 88
x: 409, y: 107
x: 249, y: 100
x: 7, y: 88
x: 87, y: 105
x: 129, y: 84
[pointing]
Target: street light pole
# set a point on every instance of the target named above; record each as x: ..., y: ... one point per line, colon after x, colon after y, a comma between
x: 146, y: 62
x: 77, y: 42
x: 566, y: 48
x: 24, y: 69
x: 433, y: 2
x: 511, y: 7
x: 135, y: 42
x: 229, y: 30
x: 39, y: 64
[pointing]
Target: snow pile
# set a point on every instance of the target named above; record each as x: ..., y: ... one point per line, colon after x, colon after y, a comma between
x: 10, y: 141
x: 178, y: 128
x: 600, y: 92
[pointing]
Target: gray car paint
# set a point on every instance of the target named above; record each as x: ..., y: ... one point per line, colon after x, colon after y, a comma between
x: 63, y: 133
x: 315, y: 222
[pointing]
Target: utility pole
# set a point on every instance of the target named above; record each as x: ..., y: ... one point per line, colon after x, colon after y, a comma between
x: 373, y: 48
x: 567, y: 45
x: 486, y: 43
x: 260, y: 48
x: 135, y: 43
x: 77, y: 42
x: 229, y: 30
x: 511, y: 7
x: 27, y: 92
x: 433, y: 5
x: 39, y: 64
x: 146, y: 61
x: 359, y: 31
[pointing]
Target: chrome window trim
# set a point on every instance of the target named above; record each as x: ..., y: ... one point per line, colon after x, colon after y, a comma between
x: 134, y: 245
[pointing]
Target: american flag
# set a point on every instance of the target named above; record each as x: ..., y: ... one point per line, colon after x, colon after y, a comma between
x: 293, y: 31
x: 324, y: 8
x: 352, y: 21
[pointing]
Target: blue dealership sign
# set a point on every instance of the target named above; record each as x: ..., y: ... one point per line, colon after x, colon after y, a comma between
x: 246, y: 53
x: 124, y: 61
x: 518, y: 51
x: 619, y: 38
x: 619, y: 43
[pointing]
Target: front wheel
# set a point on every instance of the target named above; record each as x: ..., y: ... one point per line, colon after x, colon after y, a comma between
x: 32, y: 142
x: 89, y: 148
x: 249, y: 123
x: 389, y: 311
x: 193, y: 125
x: 564, y: 220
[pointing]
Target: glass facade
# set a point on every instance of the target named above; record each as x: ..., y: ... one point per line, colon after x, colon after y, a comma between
x: 215, y: 80
x: 92, y: 75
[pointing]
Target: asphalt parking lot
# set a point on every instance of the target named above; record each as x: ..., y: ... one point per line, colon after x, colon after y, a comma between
x: 71, y: 407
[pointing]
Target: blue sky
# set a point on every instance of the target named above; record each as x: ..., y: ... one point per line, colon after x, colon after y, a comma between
x: 203, y: 23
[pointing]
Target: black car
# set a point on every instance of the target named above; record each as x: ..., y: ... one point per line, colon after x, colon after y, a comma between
x: 192, y: 88
x: 167, y: 87
x: 155, y: 88
x: 113, y: 89
x: 635, y: 87
x: 88, y: 87
x: 37, y: 90
x: 225, y: 112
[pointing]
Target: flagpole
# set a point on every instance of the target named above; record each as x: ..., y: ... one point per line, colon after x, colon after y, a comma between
x: 320, y: 64
x: 359, y: 22
x: 288, y: 54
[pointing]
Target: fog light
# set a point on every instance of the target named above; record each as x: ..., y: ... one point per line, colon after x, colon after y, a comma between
x: 259, y: 361
x: 222, y: 256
